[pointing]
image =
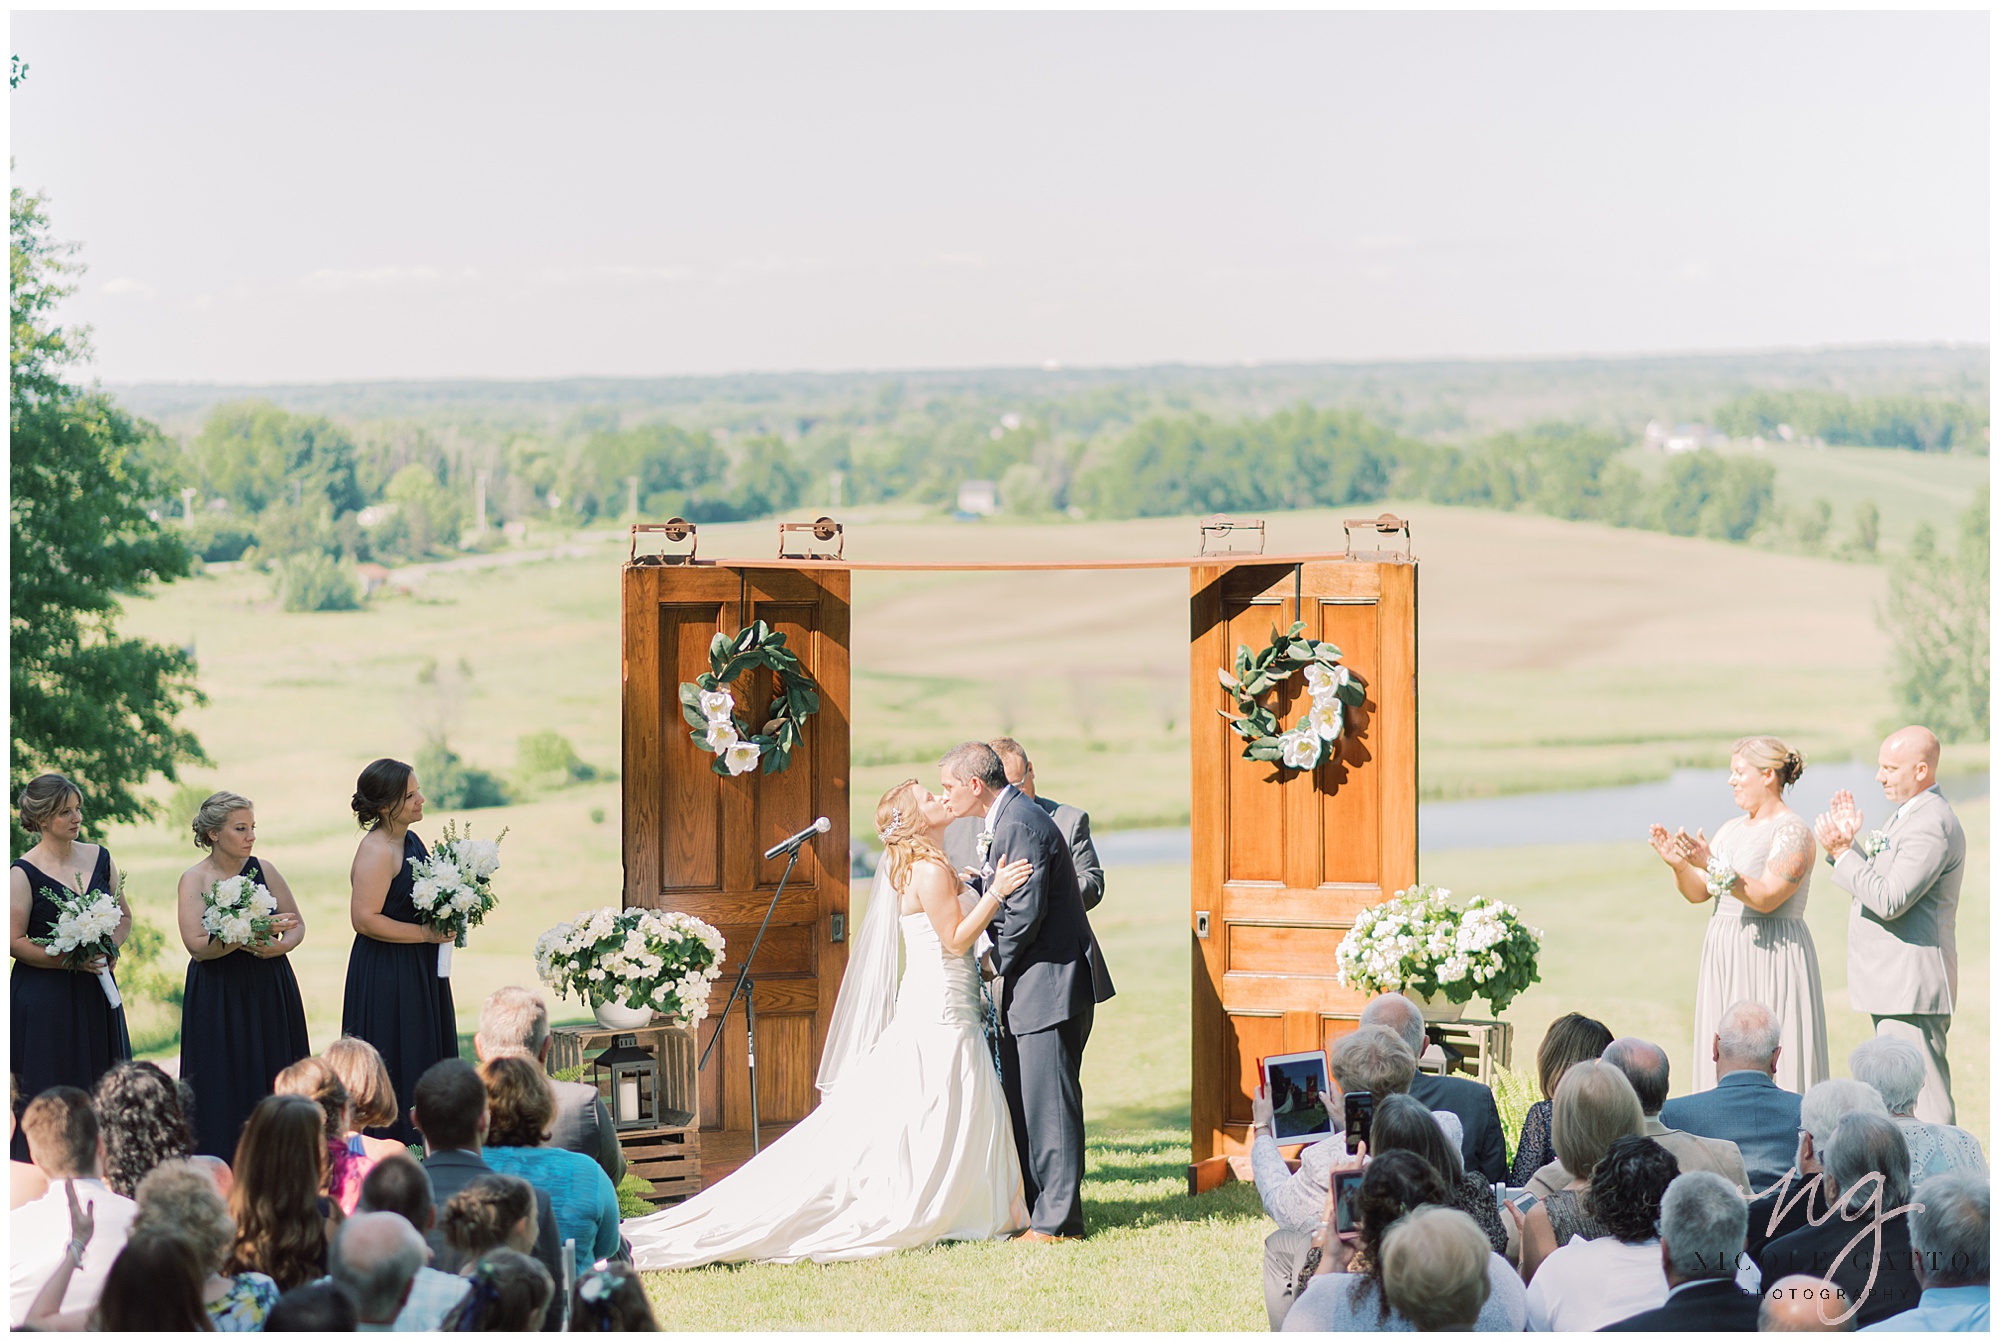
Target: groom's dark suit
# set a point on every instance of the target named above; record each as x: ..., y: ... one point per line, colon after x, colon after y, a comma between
x: 1049, y: 984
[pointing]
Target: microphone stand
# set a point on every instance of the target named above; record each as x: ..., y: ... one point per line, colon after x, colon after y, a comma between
x: 745, y: 986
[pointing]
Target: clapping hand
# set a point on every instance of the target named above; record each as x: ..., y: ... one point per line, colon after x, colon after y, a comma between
x: 1694, y: 850
x: 1668, y: 846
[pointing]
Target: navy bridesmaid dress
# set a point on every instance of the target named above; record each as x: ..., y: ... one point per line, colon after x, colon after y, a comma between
x: 242, y: 1023
x: 64, y: 1031
x: 396, y: 1001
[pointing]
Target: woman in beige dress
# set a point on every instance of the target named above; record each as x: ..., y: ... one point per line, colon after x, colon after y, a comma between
x: 1758, y: 947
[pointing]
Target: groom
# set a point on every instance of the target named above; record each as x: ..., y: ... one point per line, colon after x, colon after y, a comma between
x: 1049, y: 984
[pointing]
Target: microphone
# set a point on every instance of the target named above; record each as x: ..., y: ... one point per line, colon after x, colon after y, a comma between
x: 791, y: 845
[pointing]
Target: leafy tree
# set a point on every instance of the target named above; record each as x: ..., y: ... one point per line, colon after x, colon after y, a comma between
x: 769, y: 479
x: 87, y: 701
x: 256, y: 455
x: 675, y: 468
x: 1938, y: 612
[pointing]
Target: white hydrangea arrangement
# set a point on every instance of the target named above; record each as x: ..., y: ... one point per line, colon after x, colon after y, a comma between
x: 453, y: 888
x: 86, y: 922
x: 238, y: 911
x: 1418, y: 942
x: 635, y: 958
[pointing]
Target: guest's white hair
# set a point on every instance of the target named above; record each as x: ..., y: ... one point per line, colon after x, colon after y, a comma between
x: 1865, y: 1144
x: 1953, y: 1229
x: 1825, y: 1104
x: 1703, y: 1222
x: 1434, y: 1268
x: 1749, y: 1032
x: 1397, y: 1013
x: 514, y: 1018
x: 1893, y: 1066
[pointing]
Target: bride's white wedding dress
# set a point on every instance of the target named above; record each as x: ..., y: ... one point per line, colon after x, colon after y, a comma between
x: 912, y: 1145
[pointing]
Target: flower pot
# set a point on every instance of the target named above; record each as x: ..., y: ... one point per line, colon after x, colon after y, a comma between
x: 617, y: 1016
x: 1439, y: 1008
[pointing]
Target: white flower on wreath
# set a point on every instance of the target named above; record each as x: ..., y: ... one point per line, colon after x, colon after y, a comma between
x: 741, y: 757
x: 1299, y: 750
x: 1322, y: 680
x: 721, y: 735
x: 717, y: 705
x: 1327, y: 719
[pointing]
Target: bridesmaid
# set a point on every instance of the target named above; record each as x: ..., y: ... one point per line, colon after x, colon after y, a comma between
x: 242, y: 1021
x: 395, y: 999
x: 65, y: 1032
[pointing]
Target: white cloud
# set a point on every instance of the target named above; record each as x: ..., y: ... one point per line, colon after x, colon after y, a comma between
x: 126, y: 287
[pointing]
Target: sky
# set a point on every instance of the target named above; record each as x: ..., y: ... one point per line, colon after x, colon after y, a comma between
x: 309, y: 197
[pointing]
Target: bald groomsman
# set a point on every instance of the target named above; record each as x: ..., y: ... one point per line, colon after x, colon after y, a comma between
x: 1902, y: 923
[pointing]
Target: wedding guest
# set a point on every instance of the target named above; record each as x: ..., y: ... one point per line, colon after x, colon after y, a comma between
x: 520, y: 1110
x: 179, y: 1198
x: 510, y: 1294
x: 375, y: 1259
x: 154, y: 1286
x: 1746, y: 1105
x: 1645, y: 1066
x: 347, y: 1164
x: 450, y: 1112
x: 369, y: 1090
x: 1803, y: 1304
x: 516, y: 1020
x: 242, y: 1020
x: 1403, y: 1124
x: 610, y: 1298
x: 1780, y: 1209
x: 282, y: 1222
x: 63, y: 1138
x: 319, y: 1308
x: 1570, y: 1039
x: 1346, y: 1295
x: 395, y: 998
x: 1483, y: 1149
x: 1436, y: 1270
x: 140, y: 1116
x: 25, y: 1182
x: 1952, y: 1236
x: 1863, y: 1144
x: 1594, y: 1110
x: 1895, y: 1068
x: 398, y: 1184
x: 1588, y: 1283
x: 1757, y: 945
x: 217, y: 1169
x: 491, y: 1211
x: 65, y: 1031
x: 1702, y: 1224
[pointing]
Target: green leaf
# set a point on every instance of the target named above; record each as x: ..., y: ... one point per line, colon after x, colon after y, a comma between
x: 1268, y: 751
x: 1327, y: 650
x: 1300, y: 652
x: 719, y: 767
x: 1229, y: 682
x: 694, y: 717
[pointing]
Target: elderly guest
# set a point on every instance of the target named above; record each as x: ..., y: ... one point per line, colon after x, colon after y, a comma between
x: 1802, y: 1197
x: 1645, y: 1066
x: 516, y: 1020
x: 1746, y: 1106
x: 398, y: 1184
x: 1867, y: 1175
x: 1702, y: 1223
x: 1483, y: 1149
x: 375, y: 1259
x: 180, y: 1198
x: 1803, y: 1304
x: 1588, y: 1283
x: 1435, y: 1270
x: 1895, y: 1068
x: 1594, y: 1107
x: 1954, y: 1256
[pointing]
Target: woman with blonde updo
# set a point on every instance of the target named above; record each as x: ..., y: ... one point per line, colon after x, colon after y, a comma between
x: 242, y: 1021
x: 912, y: 1142
x: 1758, y: 947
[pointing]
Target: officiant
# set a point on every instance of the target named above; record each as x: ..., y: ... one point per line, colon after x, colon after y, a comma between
x: 961, y: 840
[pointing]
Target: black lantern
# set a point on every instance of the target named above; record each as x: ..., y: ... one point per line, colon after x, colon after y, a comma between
x: 629, y: 1078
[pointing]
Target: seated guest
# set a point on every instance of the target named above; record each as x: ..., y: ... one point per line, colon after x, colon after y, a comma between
x: 347, y: 1162
x: 369, y: 1090
x: 1346, y: 1295
x: 375, y: 1259
x: 282, y: 1222
x: 1570, y: 1039
x: 1702, y: 1220
x: 319, y: 1308
x: 510, y: 1293
x: 154, y: 1286
x: 492, y: 1211
x: 516, y: 1020
x: 1866, y: 1169
x: 1483, y: 1148
x: 65, y: 1144
x: 520, y: 1109
x: 1746, y: 1107
x: 28, y: 1183
x: 1645, y: 1066
x: 1802, y: 1304
x: 1436, y: 1270
x: 1895, y: 1068
x: 398, y: 1184
x: 1792, y: 1203
x: 218, y: 1171
x: 609, y: 1298
x: 179, y: 1198
x: 140, y: 1114
x: 1588, y: 1283
x: 1403, y: 1124
x: 1952, y: 1235
x: 1369, y: 1059
x: 1594, y: 1108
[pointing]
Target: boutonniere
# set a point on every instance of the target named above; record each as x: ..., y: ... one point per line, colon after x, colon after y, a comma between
x: 985, y: 843
x: 1871, y: 843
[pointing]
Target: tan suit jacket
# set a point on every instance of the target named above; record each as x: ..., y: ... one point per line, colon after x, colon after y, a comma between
x: 1693, y: 1153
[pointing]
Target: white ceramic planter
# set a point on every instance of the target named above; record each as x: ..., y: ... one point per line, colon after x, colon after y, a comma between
x: 616, y: 1016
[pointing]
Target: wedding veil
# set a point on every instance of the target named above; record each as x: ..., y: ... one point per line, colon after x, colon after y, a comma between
x: 868, y: 989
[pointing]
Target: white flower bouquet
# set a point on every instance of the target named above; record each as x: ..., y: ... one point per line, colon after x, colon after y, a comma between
x: 453, y: 888
x: 86, y: 922
x: 1418, y: 942
x: 238, y: 911
x: 1721, y: 876
x: 635, y: 958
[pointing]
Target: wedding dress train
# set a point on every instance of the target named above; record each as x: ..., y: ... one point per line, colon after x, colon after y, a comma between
x: 911, y: 1145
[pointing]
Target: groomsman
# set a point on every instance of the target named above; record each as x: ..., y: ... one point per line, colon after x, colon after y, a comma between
x: 1902, y: 922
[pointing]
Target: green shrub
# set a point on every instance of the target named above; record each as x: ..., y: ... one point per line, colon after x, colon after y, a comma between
x: 632, y: 1191
x: 1514, y: 1093
x: 451, y: 786
x: 151, y: 989
x: 312, y: 581
x: 548, y: 757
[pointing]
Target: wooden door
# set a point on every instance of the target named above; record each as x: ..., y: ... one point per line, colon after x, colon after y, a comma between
x: 1283, y: 861
x: 694, y: 840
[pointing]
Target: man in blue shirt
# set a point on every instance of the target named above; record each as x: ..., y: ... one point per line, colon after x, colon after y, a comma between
x: 1746, y: 1106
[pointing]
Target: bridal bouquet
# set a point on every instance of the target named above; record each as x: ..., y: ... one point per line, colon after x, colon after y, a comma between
x: 1418, y: 942
x: 86, y: 922
x: 453, y: 888
x: 635, y: 958
x: 238, y: 911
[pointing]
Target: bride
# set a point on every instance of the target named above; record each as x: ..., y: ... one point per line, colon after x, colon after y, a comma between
x: 911, y: 1142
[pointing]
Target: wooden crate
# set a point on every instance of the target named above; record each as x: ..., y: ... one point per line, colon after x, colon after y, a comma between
x: 668, y: 1158
x: 1483, y: 1045
x: 673, y: 1047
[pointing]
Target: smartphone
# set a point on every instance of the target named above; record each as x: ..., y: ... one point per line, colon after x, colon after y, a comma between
x: 1346, y: 1188
x: 1523, y: 1200
x: 1360, y: 1111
